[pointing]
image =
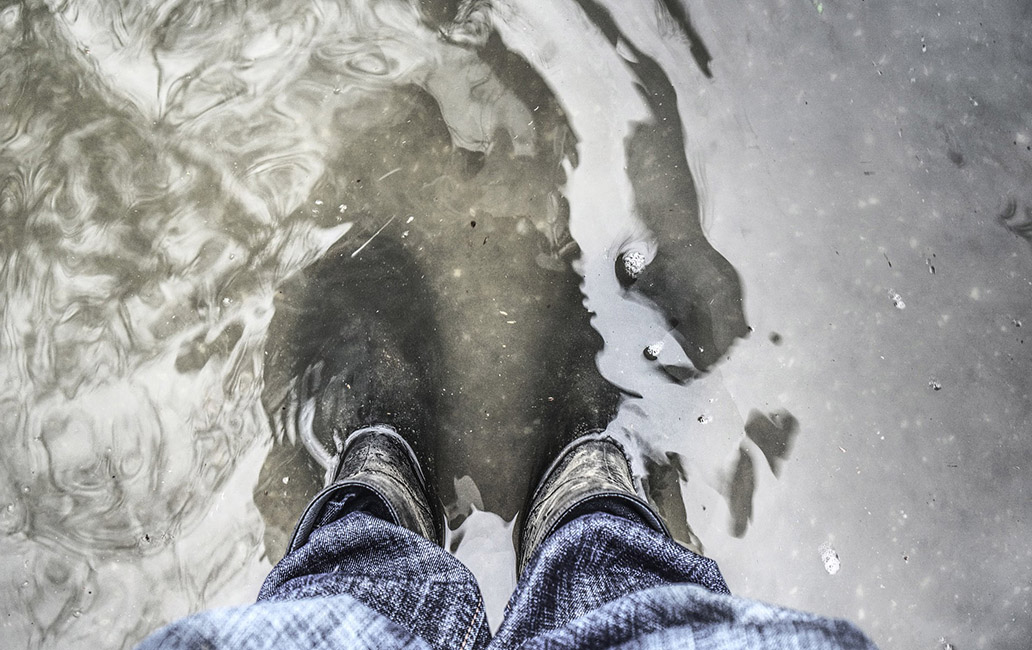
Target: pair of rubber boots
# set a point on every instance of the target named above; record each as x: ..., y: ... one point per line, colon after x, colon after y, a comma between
x: 378, y: 473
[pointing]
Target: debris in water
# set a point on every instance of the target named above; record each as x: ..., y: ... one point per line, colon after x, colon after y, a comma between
x: 830, y: 558
x: 934, y: 385
x: 946, y: 645
x: 652, y: 351
x: 678, y: 373
x: 773, y: 434
x: 359, y: 249
x: 1019, y: 224
x: 705, y: 418
x: 391, y: 172
x: 897, y: 300
x: 740, y: 492
x: 1017, y: 323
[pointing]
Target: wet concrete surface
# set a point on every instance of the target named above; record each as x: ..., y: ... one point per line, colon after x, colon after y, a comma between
x: 233, y: 232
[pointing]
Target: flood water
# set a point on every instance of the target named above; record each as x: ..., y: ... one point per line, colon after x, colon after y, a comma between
x: 783, y: 250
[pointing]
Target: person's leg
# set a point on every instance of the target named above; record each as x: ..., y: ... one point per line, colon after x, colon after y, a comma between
x: 311, y: 624
x: 359, y: 582
x: 600, y: 571
x: 403, y: 576
x: 365, y: 568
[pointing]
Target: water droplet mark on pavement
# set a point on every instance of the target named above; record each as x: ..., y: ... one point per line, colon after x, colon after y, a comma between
x: 897, y: 300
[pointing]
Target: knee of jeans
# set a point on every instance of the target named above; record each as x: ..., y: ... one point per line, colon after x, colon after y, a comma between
x: 459, y: 575
x: 592, y: 530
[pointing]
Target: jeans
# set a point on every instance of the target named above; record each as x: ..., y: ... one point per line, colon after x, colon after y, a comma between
x: 599, y: 581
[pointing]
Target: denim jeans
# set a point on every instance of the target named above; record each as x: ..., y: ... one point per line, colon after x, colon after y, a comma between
x: 600, y: 581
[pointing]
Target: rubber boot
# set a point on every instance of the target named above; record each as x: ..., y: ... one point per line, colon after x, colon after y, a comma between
x: 377, y: 473
x: 592, y: 474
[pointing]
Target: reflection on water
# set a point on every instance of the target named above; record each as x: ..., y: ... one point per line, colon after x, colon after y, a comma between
x: 232, y: 230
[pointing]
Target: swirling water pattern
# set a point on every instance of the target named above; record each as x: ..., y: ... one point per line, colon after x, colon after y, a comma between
x: 176, y: 175
x: 155, y: 163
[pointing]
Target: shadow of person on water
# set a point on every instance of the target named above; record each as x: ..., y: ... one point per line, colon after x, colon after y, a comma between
x: 453, y: 309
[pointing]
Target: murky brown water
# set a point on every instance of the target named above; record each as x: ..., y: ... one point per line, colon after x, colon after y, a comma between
x: 231, y: 230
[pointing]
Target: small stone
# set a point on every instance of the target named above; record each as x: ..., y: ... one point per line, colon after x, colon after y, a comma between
x: 830, y: 558
x: 634, y: 263
x: 629, y: 266
x: 652, y: 351
x: 897, y: 300
x: 934, y: 385
x: 704, y: 419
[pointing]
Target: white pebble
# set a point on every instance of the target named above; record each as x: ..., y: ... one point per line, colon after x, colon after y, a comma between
x: 634, y: 263
x: 652, y: 351
x: 830, y: 558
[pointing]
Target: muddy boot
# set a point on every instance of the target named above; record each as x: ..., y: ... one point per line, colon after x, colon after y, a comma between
x: 591, y: 475
x: 377, y: 474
